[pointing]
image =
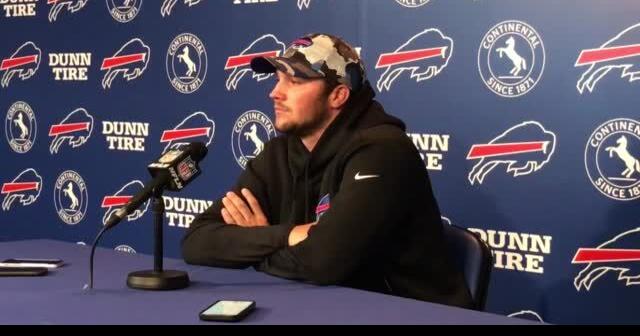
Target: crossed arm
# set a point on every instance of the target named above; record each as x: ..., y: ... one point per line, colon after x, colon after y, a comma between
x: 249, y: 214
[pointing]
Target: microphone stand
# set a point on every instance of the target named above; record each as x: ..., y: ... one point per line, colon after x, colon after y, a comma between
x: 158, y: 278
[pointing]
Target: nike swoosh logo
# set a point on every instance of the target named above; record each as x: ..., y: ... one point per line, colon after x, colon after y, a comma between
x: 362, y: 177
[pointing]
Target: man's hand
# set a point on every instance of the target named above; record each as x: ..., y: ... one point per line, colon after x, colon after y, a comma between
x: 299, y: 233
x: 237, y: 212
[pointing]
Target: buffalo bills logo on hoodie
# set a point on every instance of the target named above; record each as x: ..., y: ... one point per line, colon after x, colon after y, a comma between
x: 323, y: 206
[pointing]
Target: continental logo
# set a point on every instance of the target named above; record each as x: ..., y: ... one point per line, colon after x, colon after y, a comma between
x: 20, y: 127
x: 70, y: 197
x: 511, y: 58
x: 124, y: 10
x: 412, y: 3
x: 611, y: 159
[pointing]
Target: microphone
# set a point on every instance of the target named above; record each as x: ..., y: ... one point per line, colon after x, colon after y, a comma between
x: 174, y: 170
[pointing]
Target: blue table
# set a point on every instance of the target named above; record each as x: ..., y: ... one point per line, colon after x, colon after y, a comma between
x: 59, y: 298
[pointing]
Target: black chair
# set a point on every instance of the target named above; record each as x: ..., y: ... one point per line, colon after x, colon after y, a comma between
x: 473, y: 257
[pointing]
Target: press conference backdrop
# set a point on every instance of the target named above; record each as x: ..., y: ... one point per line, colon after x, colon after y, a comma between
x: 526, y: 114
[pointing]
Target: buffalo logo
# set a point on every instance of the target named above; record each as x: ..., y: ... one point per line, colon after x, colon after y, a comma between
x: 75, y: 129
x: 514, y: 148
x: 323, y: 206
x: 124, y: 10
x: 25, y: 188
x: 611, y: 159
x: 167, y: 5
x: 425, y: 55
x: 120, y: 198
x: 196, y: 127
x: 58, y: 5
x: 131, y: 60
x: 70, y: 197
x: 303, y: 4
x: 125, y: 249
x: 412, y: 3
x: 619, y: 255
x: 265, y: 46
x: 251, y: 131
x: 24, y: 62
x: 20, y: 127
x: 186, y: 63
x: 511, y: 58
x: 527, y: 315
x: 617, y: 53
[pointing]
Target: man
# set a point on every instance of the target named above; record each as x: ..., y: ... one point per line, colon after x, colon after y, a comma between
x: 342, y: 197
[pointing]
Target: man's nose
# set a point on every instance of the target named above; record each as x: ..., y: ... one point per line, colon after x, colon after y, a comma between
x: 277, y: 93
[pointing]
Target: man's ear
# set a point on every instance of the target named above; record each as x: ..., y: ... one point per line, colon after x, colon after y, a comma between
x: 339, y: 96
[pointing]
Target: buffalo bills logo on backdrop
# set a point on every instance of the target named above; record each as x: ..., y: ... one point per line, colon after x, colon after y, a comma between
x: 20, y: 127
x: 323, y: 206
x: 423, y: 56
x: 250, y: 132
x: 124, y: 10
x: 70, y: 197
x: 412, y: 3
x: 619, y: 255
x: 25, y: 189
x: 167, y: 5
x: 57, y: 6
x: 24, y: 62
x: 265, y: 46
x: 511, y: 58
x: 527, y: 315
x: 74, y: 130
x: 130, y: 61
x: 121, y: 197
x: 186, y: 63
x: 524, y: 149
x: 611, y: 158
x: 621, y: 52
x: 196, y: 127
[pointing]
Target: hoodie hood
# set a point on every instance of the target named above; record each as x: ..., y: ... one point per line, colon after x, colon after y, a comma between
x: 361, y: 112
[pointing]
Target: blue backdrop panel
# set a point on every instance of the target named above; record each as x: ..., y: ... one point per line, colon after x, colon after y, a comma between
x: 524, y: 111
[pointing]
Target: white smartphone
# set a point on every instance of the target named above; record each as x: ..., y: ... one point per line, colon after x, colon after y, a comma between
x: 227, y: 310
x: 31, y: 262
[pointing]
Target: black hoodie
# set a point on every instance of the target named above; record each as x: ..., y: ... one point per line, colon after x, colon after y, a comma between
x: 378, y: 224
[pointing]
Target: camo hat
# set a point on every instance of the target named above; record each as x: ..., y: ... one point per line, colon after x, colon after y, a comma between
x: 317, y: 56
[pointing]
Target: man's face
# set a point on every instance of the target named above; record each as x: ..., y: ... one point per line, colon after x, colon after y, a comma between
x: 300, y: 105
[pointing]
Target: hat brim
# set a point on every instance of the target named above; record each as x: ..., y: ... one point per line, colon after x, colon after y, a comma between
x: 263, y: 65
x: 286, y: 65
